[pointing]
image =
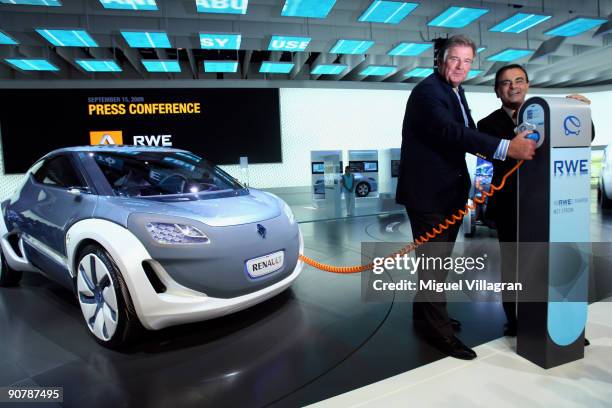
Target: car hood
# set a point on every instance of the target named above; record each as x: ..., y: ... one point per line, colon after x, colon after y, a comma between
x: 217, y: 212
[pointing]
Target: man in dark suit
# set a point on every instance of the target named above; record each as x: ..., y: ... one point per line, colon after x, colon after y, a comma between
x: 434, y: 182
x: 511, y: 86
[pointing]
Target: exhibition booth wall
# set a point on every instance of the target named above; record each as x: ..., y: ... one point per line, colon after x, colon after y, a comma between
x: 343, y: 119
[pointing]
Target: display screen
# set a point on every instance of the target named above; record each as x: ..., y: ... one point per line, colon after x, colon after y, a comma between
x: 220, y: 125
x: 356, y: 166
x: 364, y: 166
x: 370, y: 166
x: 319, y: 167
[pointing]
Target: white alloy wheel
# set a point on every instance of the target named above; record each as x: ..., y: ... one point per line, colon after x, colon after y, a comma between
x: 97, y: 296
x: 363, y: 189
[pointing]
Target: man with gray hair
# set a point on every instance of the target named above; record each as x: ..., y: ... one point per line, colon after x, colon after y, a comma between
x: 434, y: 182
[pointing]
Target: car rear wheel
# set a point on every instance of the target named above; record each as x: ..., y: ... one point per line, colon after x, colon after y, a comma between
x: 105, y: 300
x: 362, y: 189
x: 8, y: 276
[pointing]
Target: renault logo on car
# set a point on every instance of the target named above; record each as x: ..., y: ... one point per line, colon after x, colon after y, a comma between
x: 261, y: 230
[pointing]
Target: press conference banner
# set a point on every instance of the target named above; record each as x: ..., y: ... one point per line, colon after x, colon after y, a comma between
x: 220, y: 125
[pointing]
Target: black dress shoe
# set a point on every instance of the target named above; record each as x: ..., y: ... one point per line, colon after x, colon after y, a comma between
x: 586, y: 342
x: 455, y: 324
x: 509, y: 330
x: 452, y: 346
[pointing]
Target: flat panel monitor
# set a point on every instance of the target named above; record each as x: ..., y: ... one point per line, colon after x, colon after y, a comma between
x: 318, y: 168
x: 370, y: 166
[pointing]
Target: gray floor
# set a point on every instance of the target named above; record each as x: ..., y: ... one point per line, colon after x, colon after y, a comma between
x: 500, y: 378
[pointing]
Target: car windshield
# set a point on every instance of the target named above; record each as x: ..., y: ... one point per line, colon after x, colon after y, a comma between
x: 145, y: 173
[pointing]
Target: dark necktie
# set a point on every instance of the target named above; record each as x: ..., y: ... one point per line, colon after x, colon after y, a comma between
x: 465, y: 118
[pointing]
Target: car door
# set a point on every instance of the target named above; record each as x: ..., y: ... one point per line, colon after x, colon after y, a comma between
x: 53, y: 198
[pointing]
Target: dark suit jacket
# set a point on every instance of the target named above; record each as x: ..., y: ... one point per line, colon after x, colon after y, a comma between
x: 499, y: 124
x: 433, y: 175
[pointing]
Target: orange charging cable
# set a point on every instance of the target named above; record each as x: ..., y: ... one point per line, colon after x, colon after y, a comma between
x: 458, y: 216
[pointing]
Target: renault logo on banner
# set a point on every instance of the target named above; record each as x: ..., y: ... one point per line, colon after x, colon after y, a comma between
x: 106, y: 137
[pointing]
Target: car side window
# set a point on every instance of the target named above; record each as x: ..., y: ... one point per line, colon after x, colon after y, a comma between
x: 59, y: 172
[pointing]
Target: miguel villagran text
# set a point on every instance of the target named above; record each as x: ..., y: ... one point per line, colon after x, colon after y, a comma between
x: 478, y: 285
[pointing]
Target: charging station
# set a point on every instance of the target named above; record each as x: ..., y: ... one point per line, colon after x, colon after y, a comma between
x: 553, y: 232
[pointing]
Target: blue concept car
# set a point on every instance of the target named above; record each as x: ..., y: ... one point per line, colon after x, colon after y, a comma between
x: 147, y: 237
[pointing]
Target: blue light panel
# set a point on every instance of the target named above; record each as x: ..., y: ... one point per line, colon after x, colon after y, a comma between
x: 146, y: 39
x: 473, y: 73
x: 52, y: 3
x: 161, y: 65
x: 510, y: 54
x: 409, y: 49
x: 222, y: 6
x: 419, y: 72
x: 276, y: 67
x: 32, y: 64
x: 329, y: 69
x: 145, y: 5
x: 519, y: 23
x: 210, y: 41
x: 307, y: 8
x: 6, y: 40
x: 90, y: 65
x: 378, y: 70
x: 480, y: 49
x: 388, y: 12
x: 67, y: 38
x: 457, y: 17
x: 284, y: 43
x: 220, y: 66
x: 575, y: 26
x: 351, y: 47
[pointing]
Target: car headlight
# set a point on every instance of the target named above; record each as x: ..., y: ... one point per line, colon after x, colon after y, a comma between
x: 167, y: 233
x: 288, y: 213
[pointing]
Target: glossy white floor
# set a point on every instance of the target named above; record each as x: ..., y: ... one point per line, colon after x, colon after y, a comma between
x: 500, y: 378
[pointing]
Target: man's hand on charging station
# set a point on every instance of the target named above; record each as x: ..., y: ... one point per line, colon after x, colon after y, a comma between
x: 521, y: 148
x: 580, y: 98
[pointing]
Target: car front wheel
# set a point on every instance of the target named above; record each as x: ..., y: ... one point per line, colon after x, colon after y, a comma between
x: 104, y: 298
x: 8, y: 276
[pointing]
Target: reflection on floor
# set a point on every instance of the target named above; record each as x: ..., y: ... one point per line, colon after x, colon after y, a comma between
x: 500, y: 378
x: 313, y: 342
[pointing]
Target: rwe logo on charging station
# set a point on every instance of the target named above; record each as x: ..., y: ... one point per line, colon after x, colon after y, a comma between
x: 569, y: 167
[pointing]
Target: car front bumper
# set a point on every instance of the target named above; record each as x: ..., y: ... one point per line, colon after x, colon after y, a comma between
x: 179, y: 305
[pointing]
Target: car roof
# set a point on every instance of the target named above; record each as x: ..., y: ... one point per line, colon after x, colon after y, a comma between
x: 115, y: 149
